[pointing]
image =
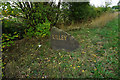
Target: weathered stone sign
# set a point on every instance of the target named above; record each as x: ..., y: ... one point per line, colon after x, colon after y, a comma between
x: 62, y: 40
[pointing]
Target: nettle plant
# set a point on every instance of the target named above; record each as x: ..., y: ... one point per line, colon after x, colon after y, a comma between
x: 40, y: 30
x: 38, y: 23
x: 9, y: 34
x: 8, y: 39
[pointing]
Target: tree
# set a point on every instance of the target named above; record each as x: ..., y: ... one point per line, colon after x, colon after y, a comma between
x: 115, y: 7
x: 79, y: 10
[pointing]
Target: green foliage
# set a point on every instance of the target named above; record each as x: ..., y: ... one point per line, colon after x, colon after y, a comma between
x: 78, y: 10
x: 81, y: 11
x: 11, y: 26
x: 8, y: 39
x: 27, y: 21
x: 40, y: 30
x: 63, y: 17
x: 33, y: 15
x: 43, y: 29
x: 116, y: 7
x: 11, y: 31
x: 8, y: 11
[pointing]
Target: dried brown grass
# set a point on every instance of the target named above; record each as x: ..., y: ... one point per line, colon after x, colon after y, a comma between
x: 97, y: 22
x: 103, y: 19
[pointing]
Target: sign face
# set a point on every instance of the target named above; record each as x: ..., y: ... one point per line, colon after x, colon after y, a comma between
x: 62, y: 40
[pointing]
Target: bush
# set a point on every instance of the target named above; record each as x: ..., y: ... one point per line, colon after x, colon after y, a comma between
x: 8, y: 39
x: 10, y: 26
x: 27, y: 22
x: 40, y: 30
x: 11, y: 31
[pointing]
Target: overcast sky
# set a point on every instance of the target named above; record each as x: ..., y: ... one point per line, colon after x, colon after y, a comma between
x: 98, y: 3
x: 102, y: 2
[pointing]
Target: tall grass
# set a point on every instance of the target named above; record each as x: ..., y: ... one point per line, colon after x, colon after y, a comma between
x: 97, y: 22
x: 103, y: 19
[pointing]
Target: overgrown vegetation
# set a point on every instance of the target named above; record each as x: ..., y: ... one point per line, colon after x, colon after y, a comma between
x: 96, y: 58
x: 28, y: 19
x: 27, y: 25
x: 98, y: 21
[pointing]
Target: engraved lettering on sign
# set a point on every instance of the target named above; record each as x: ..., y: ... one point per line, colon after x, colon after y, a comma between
x: 59, y: 37
x: 56, y: 37
x: 65, y: 37
x: 62, y: 37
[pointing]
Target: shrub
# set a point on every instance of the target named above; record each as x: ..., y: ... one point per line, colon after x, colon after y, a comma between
x: 8, y: 39
x: 40, y: 30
